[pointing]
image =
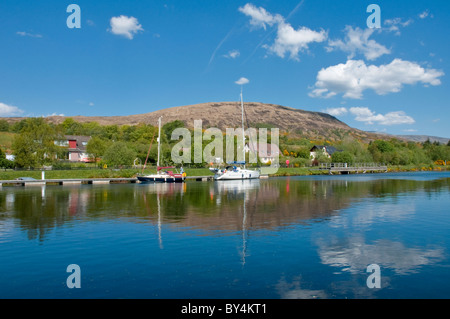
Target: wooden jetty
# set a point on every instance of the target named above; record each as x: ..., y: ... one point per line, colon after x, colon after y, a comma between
x: 344, y: 168
x: 41, y: 182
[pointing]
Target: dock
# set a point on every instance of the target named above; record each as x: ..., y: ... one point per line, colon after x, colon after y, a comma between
x: 344, y: 168
x: 80, y: 181
x: 40, y: 182
x: 201, y: 178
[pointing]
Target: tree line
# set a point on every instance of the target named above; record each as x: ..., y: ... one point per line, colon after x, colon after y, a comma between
x: 34, y: 145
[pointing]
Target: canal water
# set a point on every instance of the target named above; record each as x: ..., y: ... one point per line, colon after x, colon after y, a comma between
x: 281, y: 238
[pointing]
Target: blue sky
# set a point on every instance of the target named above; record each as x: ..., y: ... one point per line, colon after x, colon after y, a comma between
x: 132, y: 57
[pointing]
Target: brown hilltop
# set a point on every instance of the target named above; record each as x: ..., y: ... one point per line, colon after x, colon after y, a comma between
x: 228, y: 115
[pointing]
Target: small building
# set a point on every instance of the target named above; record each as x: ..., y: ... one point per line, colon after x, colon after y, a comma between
x: 77, y: 148
x: 268, y: 154
x: 326, y: 150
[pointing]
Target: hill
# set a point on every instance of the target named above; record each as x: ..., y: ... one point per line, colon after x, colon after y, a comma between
x: 424, y: 138
x: 228, y: 114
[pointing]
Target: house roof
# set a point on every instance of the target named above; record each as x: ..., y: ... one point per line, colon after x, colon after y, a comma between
x: 329, y: 149
x: 80, y: 140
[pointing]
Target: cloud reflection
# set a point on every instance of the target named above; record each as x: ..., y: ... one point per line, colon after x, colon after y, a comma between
x: 353, y: 255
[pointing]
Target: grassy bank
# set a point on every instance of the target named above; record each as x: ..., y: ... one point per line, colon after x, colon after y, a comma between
x: 298, y: 171
x: 91, y: 173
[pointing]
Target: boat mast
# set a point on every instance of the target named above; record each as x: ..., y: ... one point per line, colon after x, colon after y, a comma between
x: 159, y: 140
x: 243, y: 131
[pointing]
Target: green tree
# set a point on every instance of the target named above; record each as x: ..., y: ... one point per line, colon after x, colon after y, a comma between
x: 72, y: 127
x: 35, y: 144
x: 382, y: 146
x: 96, y: 147
x: 119, y: 154
x: 342, y: 157
x: 4, y: 163
x: 4, y: 126
x: 17, y: 127
x: 168, y: 128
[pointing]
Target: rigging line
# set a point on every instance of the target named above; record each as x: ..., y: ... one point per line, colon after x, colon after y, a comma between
x: 148, y: 153
x: 250, y: 144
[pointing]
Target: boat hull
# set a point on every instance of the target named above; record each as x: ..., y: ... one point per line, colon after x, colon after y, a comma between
x: 160, y: 179
x: 239, y: 175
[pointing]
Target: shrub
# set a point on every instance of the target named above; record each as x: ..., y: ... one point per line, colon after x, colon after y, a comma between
x: 119, y: 154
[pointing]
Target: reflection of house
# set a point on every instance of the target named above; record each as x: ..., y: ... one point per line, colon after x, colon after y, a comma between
x: 77, y: 148
x: 266, y: 154
x: 326, y: 150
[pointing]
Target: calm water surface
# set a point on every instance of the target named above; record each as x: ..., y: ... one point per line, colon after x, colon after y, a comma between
x: 297, y: 237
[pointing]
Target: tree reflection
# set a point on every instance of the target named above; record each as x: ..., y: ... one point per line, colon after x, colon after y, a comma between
x: 217, y: 206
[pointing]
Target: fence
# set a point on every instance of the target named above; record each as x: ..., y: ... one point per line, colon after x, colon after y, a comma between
x: 361, y: 166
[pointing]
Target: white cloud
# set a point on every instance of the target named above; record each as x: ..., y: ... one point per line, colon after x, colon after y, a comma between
x: 91, y: 104
x: 288, y: 40
x: 259, y: 16
x: 9, y: 110
x: 125, y: 26
x: 242, y: 81
x: 26, y: 34
x: 233, y: 54
x: 354, y: 77
x: 337, y: 111
x: 364, y: 114
x: 357, y: 41
x: 293, y: 41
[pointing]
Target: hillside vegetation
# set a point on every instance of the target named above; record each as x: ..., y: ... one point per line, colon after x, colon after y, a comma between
x: 32, y: 142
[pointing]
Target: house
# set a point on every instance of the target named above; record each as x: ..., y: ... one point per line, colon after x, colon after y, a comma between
x: 322, y: 149
x: 77, y: 148
x: 266, y: 154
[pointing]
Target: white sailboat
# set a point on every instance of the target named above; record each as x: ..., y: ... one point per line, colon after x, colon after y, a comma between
x: 236, y: 170
x: 163, y: 175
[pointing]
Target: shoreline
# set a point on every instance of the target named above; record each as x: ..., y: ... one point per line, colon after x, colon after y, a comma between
x: 117, y: 177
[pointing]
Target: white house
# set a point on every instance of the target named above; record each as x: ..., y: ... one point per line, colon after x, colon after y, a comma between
x: 322, y: 149
x: 266, y: 154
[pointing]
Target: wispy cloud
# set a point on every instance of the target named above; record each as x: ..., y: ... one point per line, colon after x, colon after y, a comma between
x: 27, y: 34
x: 213, y: 55
x: 357, y: 41
x: 393, y: 25
x: 125, y: 26
x: 54, y: 114
x: 364, y: 114
x: 288, y: 40
x: 233, y: 54
x: 425, y: 14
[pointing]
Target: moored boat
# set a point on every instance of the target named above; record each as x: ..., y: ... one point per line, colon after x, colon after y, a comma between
x: 163, y: 175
